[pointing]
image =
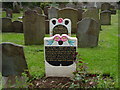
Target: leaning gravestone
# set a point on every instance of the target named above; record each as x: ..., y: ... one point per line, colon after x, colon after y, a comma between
x: 7, y: 25
x: 60, y: 52
x: 9, y: 13
x: 33, y: 27
x: 87, y: 33
x: 92, y: 13
x: 52, y: 12
x: 105, y: 17
x: 60, y: 26
x: 18, y: 26
x: 71, y: 14
x: 38, y: 9
x: 105, y: 6
x: 16, y: 7
x: 13, y: 64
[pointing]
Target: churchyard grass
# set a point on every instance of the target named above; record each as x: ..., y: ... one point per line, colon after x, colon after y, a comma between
x: 102, y: 59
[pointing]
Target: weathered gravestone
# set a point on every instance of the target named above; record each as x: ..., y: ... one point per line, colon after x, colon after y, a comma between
x: 87, y: 33
x: 112, y: 9
x: 60, y: 26
x: 71, y: 14
x: 105, y: 6
x: 18, y: 26
x: 52, y: 12
x: 16, y: 7
x: 60, y: 53
x: 38, y: 9
x: 13, y: 64
x: 80, y: 11
x: 33, y: 27
x: 92, y: 13
x: 47, y: 26
x: 105, y: 17
x: 9, y: 13
x: 7, y: 25
x: 46, y: 11
x: 71, y: 5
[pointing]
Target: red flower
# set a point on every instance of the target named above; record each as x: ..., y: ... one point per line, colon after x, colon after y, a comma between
x: 80, y: 62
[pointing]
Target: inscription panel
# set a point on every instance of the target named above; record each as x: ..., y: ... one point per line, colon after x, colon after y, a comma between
x: 60, y: 29
x: 56, y: 55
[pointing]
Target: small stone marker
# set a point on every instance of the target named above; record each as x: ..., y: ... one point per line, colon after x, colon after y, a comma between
x: 105, y: 17
x: 71, y: 14
x: 60, y: 26
x: 105, y: 6
x: 7, y: 25
x: 52, y: 12
x: 16, y: 7
x: 13, y: 64
x: 33, y: 27
x: 88, y: 33
x: 18, y: 26
x: 60, y: 52
x: 9, y: 13
x: 38, y: 9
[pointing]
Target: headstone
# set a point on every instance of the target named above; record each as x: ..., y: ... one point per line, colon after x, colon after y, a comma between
x: 47, y: 26
x: 60, y: 52
x: 9, y: 13
x: 112, y: 9
x: 13, y: 63
x: 33, y: 27
x: 105, y: 17
x: 80, y: 11
x: 60, y: 26
x: 7, y: 25
x: 18, y: 26
x: 16, y: 7
x: 88, y: 33
x: 79, y: 5
x: 105, y: 6
x: 62, y: 5
x: 71, y: 14
x: 92, y: 13
x: 71, y: 5
x: 52, y: 12
x: 46, y: 11
x: 38, y: 9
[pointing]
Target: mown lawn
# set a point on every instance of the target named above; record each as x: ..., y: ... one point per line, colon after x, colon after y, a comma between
x: 102, y: 59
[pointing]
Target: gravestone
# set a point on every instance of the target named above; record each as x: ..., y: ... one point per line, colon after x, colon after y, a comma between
x: 61, y: 5
x: 13, y: 63
x: 79, y: 5
x: 7, y: 25
x: 47, y: 26
x: 92, y: 13
x: 71, y: 14
x: 60, y: 26
x: 105, y: 6
x: 9, y: 13
x: 112, y: 9
x: 38, y: 9
x: 105, y: 17
x: 71, y: 5
x: 80, y: 11
x: 33, y: 27
x: 18, y: 26
x: 52, y: 12
x: 46, y: 11
x: 16, y: 7
x: 87, y: 33
x: 60, y: 50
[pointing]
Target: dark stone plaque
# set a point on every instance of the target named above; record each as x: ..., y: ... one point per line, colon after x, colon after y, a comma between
x: 56, y: 55
x: 60, y: 29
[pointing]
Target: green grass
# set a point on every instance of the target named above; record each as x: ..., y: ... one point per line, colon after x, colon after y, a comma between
x: 101, y: 59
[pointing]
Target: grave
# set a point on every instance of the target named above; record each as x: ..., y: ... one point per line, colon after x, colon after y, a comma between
x: 16, y: 7
x: 52, y: 12
x: 38, y: 9
x: 112, y: 9
x: 13, y: 63
x: 33, y: 27
x: 71, y: 14
x: 105, y: 17
x: 7, y: 25
x: 9, y: 13
x: 18, y: 26
x: 80, y: 11
x: 105, y: 6
x: 60, y: 51
x: 87, y: 33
